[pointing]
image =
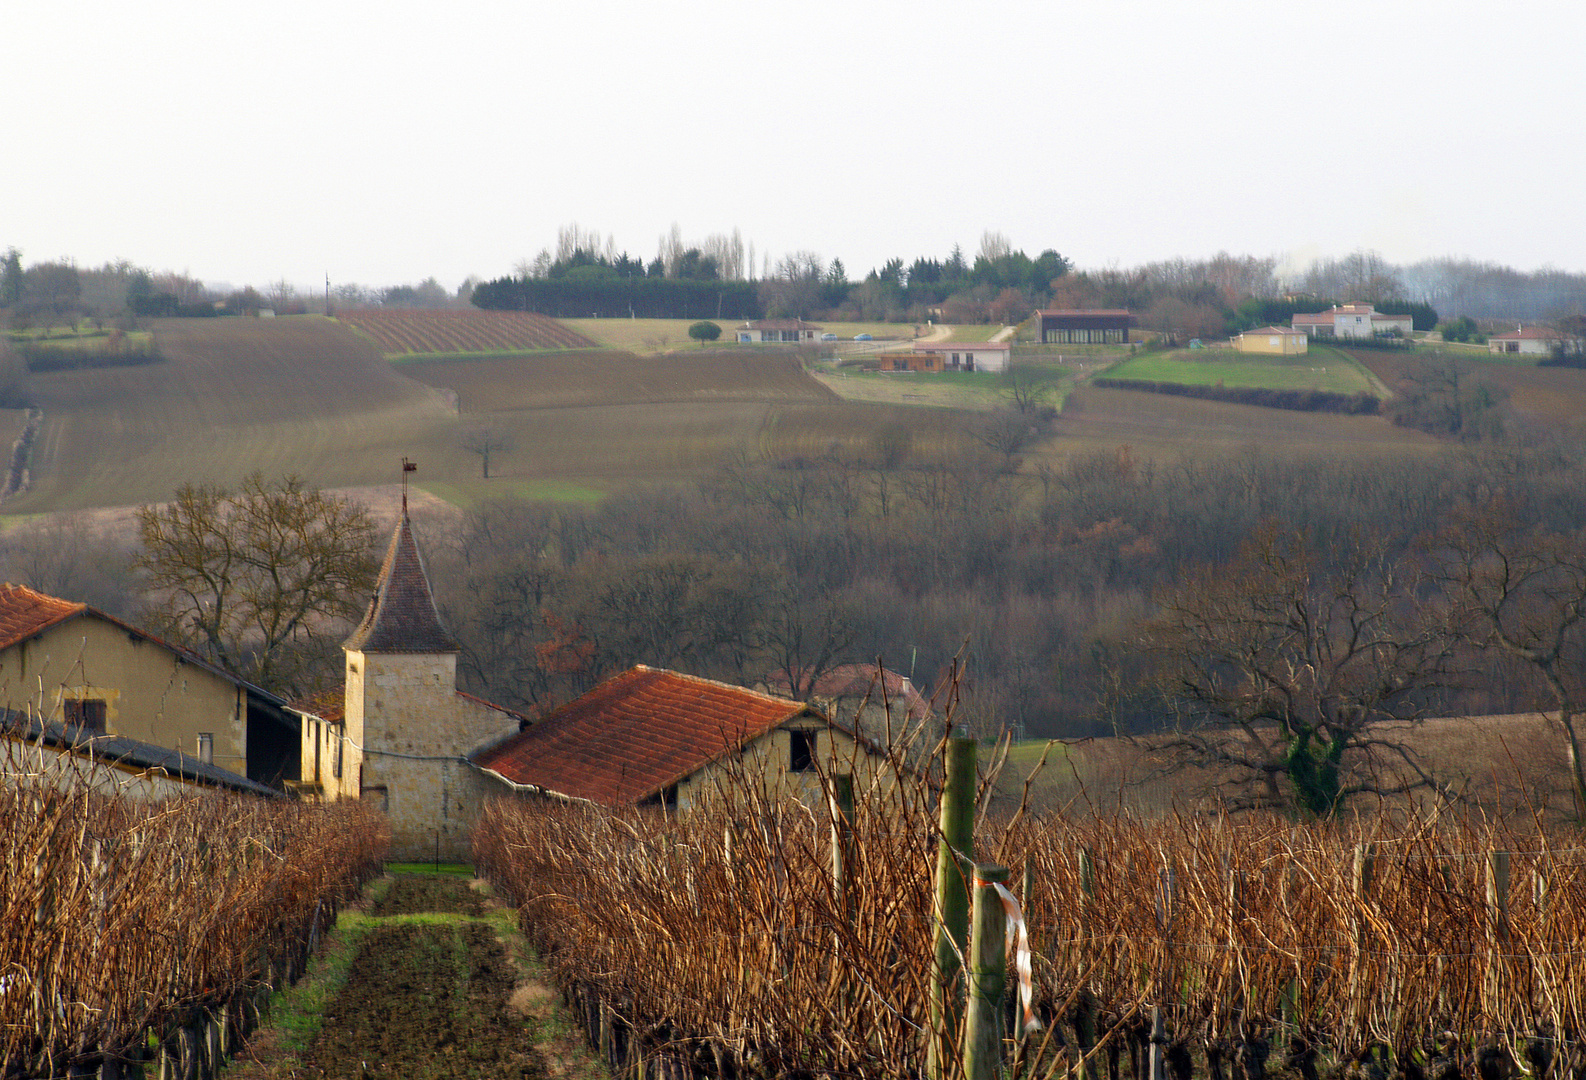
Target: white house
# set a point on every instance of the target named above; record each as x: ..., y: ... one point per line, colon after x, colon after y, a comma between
x: 777, y: 332
x: 968, y: 355
x: 1352, y: 321
x: 1532, y: 340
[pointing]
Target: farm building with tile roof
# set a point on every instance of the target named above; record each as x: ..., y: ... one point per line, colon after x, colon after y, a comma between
x: 67, y: 663
x: 653, y: 736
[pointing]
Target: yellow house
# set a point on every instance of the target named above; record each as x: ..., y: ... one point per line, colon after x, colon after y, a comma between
x: 653, y: 737
x: 400, y: 732
x: 1273, y: 340
x: 69, y: 664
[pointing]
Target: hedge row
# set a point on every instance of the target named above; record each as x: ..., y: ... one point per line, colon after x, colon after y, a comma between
x: 1329, y: 401
x: 643, y: 298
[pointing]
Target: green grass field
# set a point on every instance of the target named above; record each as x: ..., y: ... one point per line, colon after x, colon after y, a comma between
x: 1320, y: 369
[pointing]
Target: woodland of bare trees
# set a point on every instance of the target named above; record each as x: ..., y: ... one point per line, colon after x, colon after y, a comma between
x: 1063, y: 592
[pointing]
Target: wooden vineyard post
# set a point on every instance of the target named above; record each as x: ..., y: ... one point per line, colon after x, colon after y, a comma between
x: 952, y: 905
x: 1085, y: 1008
x: 842, y: 810
x: 988, y: 973
x: 1497, y: 932
x: 1365, y: 869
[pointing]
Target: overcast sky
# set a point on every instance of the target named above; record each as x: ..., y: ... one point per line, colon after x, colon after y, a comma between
x: 385, y: 143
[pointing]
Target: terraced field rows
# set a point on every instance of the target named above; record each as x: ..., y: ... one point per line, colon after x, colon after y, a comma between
x: 398, y: 331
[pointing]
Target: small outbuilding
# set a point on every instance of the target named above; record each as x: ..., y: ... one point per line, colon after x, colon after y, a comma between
x: 1273, y: 340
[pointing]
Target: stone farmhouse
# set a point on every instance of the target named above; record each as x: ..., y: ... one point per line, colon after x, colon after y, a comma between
x: 1352, y: 321
x: 653, y: 737
x: 74, y: 667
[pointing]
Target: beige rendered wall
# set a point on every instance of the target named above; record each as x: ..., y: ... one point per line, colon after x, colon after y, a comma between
x: 765, y: 761
x: 149, y: 693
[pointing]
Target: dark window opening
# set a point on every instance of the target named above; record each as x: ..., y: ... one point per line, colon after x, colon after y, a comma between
x: 801, y: 757
x: 87, y: 714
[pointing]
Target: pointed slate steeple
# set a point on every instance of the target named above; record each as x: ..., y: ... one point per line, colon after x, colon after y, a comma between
x: 402, y: 616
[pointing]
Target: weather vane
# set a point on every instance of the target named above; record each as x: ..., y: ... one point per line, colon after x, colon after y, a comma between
x: 407, y: 467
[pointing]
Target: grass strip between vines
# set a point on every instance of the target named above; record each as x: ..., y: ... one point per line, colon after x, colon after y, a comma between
x: 294, y: 1032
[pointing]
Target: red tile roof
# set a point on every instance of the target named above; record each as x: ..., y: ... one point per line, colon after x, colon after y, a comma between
x: 402, y: 616
x: 1530, y: 333
x: 24, y: 613
x: 636, y: 734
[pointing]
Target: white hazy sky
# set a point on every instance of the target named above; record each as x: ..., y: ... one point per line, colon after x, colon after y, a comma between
x: 384, y: 143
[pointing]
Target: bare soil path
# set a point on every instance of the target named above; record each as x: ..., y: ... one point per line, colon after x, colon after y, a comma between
x: 426, y: 978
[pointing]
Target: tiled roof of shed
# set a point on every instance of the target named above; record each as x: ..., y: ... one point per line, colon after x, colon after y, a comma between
x: 24, y: 612
x: 636, y: 734
x: 402, y: 616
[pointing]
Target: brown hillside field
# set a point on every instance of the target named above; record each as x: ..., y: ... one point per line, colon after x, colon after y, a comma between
x: 588, y: 378
x: 302, y: 395
x: 1166, y: 427
x: 1549, y: 396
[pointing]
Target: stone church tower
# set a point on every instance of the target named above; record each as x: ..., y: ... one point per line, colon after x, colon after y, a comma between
x: 406, y: 730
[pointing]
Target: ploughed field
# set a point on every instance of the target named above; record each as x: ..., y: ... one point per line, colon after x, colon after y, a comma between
x: 426, y: 999
x: 397, y: 331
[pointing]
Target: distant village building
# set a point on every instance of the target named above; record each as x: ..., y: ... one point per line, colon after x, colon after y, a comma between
x: 967, y: 355
x: 777, y: 331
x: 1064, y: 326
x: 1352, y: 321
x: 1274, y: 340
x: 1533, y: 341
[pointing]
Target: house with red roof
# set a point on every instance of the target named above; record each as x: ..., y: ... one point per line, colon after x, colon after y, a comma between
x: 649, y: 736
x: 85, y: 673
x: 400, y: 732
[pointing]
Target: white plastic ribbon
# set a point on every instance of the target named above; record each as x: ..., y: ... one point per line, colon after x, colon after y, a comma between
x: 1016, y: 931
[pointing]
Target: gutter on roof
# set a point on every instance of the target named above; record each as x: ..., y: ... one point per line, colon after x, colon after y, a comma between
x: 529, y: 789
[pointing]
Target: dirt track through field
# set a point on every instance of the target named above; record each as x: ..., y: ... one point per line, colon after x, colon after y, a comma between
x: 426, y: 998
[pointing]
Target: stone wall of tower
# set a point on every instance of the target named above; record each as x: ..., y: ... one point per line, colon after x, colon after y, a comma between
x: 415, y: 728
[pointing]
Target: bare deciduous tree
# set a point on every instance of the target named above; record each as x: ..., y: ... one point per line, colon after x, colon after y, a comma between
x: 485, y: 442
x: 1280, y: 673
x: 256, y: 579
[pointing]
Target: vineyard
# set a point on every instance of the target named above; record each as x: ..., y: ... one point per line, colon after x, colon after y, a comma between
x: 399, y: 331
x: 727, y: 942
x: 133, y: 932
